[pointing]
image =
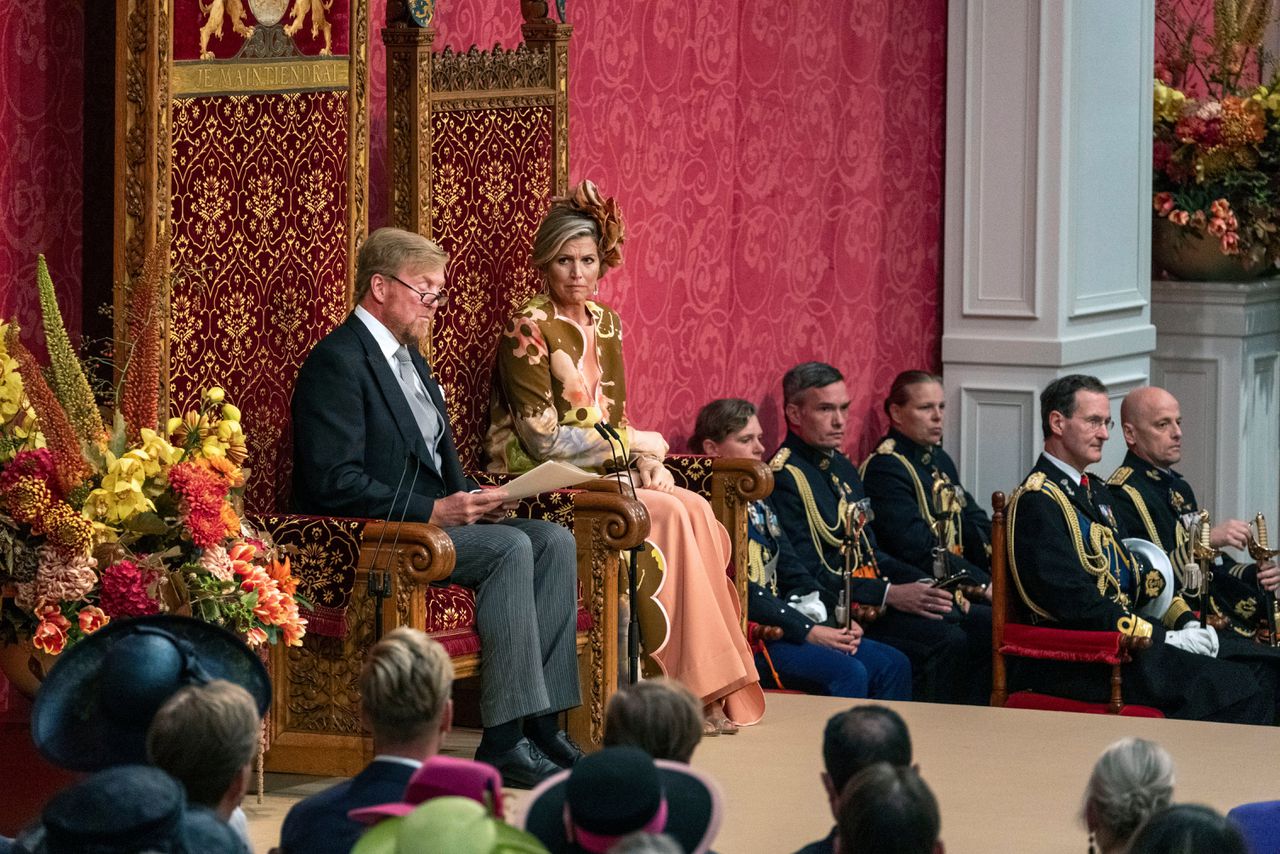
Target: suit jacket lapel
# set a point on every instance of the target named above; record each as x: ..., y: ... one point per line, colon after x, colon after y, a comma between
x: 393, y: 394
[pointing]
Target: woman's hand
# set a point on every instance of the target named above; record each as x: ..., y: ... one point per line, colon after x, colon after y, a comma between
x: 654, y: 475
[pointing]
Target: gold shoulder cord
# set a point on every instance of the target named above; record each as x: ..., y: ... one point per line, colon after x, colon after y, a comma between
x: 921, y: 500
x: 1144, y: 513
x: 1093, y: 560
x: 820, y: 532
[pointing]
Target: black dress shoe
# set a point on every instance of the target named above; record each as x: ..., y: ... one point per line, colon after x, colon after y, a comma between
x: 522, y: 767
x: 560, y: 749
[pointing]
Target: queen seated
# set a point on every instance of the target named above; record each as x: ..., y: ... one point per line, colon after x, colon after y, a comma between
x: 560, y: 373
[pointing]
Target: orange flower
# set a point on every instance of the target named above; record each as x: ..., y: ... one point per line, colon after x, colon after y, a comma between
x: 49, y: 638
x: 283, y: 576
x: 92, y: 618
x: 255, y: 637
x: 49, y: 612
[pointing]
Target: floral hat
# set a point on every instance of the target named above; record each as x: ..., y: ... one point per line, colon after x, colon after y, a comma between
x: 587, y: 200
x: 94, y: 708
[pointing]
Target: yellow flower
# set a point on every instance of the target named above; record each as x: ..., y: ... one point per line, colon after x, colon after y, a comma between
x: 158, y: 455
x: 120, y: 495
x: 215, y: 395
x: 1168, y: 102
x: 230, y: 413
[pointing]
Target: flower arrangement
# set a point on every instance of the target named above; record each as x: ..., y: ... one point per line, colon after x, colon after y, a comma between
x: 1216, y: 154
x: 100, y: 523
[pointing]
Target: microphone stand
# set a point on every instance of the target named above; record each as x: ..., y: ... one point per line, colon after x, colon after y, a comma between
x: 633, y: 623
x: 379, y: 581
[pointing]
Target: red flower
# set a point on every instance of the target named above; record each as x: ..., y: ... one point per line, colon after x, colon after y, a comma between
x: 92, y: 618
x: 203, y: 495
x: 124, y: 591
x: 1163, y: 203
x: 49, y: 638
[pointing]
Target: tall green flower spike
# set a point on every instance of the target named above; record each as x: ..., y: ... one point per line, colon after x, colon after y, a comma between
x: 67, y: 374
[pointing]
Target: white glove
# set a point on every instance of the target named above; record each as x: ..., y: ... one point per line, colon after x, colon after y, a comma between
x: 810, y: 604
x: 1201, y: 641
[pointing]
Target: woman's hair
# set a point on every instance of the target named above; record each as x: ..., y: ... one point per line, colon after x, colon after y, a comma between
x: 1131, y: 780
x: 898, y: 391
x: 659, y: 716
x: 1188, y: 829
x: 889, y: 810
x: 582, y: 213
x: 719, y: 419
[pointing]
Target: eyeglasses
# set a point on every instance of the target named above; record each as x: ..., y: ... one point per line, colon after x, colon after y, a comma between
x: 1097, y: 423
x: 424, y: 297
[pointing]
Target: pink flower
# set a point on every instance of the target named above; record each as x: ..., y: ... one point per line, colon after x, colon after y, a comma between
x: 1218, y: 226
x: 255, y: 636
x: 49, y: 638
x: 1179, y: 217
x: 92, y: 618
x: 1220, y: 208
x: 1163, y: 203
x: 1230, y: 243
x: 124, y: 591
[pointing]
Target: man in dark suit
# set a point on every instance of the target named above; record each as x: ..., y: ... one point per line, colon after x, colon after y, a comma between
x: 1155, y: 502
x: 404, y: 701
x: 372, y: 439
x: 947, y: 639
x: 1073, y: 571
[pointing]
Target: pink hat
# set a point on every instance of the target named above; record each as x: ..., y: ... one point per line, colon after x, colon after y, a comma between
x: 441, y: 776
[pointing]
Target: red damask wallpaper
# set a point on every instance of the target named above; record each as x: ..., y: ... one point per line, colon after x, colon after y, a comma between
x: 780, y: 167
x: 41, y: 135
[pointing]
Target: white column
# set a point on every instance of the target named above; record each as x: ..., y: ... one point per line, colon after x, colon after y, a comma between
x: 1048, y: 199
x: 1219, y: 353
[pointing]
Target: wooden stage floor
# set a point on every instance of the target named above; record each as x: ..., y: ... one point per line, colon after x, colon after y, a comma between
x: 1007, y: 780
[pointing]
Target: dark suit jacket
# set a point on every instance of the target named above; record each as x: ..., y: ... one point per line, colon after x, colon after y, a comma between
x: 355, y: 438
x: 319, y: 824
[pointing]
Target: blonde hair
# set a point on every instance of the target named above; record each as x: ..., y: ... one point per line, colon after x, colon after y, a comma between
x: 203, y: 736
x: 389, y: 250
x: 562, y: 224
x: 404, y: 685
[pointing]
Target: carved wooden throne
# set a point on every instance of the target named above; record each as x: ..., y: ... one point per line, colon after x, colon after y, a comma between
x: 478, y: 144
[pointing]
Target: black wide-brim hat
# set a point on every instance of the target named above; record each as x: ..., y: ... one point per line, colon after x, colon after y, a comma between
x: 616, y: 791
x: 93, y: 709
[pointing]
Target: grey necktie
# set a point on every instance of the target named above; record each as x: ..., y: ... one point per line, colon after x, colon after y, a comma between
x: 424, y: 411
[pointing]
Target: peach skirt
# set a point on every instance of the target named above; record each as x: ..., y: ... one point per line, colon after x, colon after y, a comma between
x: 705, y: 648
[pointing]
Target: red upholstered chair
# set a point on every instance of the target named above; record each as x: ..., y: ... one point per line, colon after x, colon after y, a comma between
x: 1011, y: 635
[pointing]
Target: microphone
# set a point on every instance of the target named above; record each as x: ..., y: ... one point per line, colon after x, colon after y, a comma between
x: 633, y: 623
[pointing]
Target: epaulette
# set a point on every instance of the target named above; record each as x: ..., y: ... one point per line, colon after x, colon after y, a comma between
x: 780, y: 459
x: 1035, y: 481
x: 886, y: 447
x: 1119, y: 476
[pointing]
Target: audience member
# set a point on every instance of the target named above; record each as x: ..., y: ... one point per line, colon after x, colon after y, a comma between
x: 1188, y: 829
x: 441, y: 777
x: 447, y: 825
x: 1155, y: 502
x: 405, y: 689
x: 372, y: 438
x: 1260, y: 824
x: 1132, y: 779
x: 586, y: 810
x: 888, y: 809
x: 646, y: 843
x: 560, y: 380
x: 852, y: 741
x: 659, y: 716
x: 920, y: 504
x: 947, y: 640
x: 206, y: 736
x: 1073, y: 571
x: 832, y: 660
x: 126, y: 809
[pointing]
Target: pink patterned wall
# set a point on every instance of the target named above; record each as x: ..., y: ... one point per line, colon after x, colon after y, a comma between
x: 41, y: 135
x: 780, y: 169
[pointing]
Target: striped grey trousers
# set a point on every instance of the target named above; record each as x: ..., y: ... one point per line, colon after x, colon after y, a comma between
x: 524, y: 574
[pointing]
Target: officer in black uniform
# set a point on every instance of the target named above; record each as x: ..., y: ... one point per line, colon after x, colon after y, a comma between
x: 1155, y: 502
x: 920, y: 504
x: 947, y: 639
x: 1072, y: 571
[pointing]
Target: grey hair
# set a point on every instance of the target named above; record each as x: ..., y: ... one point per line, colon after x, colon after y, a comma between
x: 805, y: 376
x: 388, y: 251
x: 562, y: 224
x: 1131, y: 780
x: 405, y: 684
